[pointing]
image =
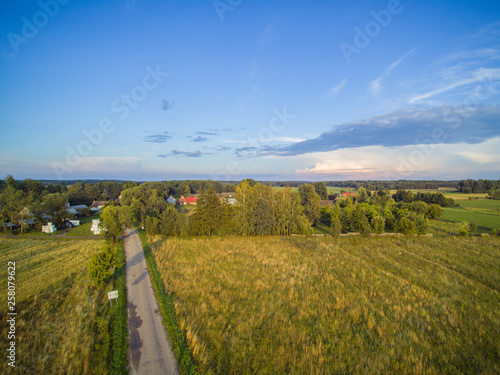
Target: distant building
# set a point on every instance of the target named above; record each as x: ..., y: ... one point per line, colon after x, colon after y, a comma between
x: 97, y: 205
x: 182, y: 201
x: 96, y: 227
x: 171, y: 200
x: 231, y: 201
x: 191, y: 200
x: 49, y: 228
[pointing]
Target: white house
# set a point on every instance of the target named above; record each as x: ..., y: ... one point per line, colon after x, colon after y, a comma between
x: 171, y: 200
x: 49, y: 228
x: 96, y: 228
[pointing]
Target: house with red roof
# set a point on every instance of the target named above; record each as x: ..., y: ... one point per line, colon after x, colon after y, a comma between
x: 191, y: 200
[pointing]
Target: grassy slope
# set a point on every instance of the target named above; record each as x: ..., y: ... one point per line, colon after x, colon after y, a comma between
x: 329, y: 305
x: 63, y: 322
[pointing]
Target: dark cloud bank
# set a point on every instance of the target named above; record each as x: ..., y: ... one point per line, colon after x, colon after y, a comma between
x: 444, y: 124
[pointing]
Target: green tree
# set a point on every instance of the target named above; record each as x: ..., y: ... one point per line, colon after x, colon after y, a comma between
x: 244, y: 208
x: 406, y: 226
x: 100, y: 265
x: 310, y: 202
x: 336, y: 227
x: 54, y: 207
x: 262, y: 218
x: 111, y: 221
x: 378, y: 224
x: 207, y: 218
x: 321, y: 190
x: 362, y: 196
x: 11, y: 201
x: 434, y: 211
x: 494, y: 193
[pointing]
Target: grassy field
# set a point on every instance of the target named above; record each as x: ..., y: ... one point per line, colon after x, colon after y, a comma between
x: 302, y: 305
x: 484, y: 212
x: 63, y: 322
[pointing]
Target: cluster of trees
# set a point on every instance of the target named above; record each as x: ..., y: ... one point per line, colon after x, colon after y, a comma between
x: 477, y: 186
x: 393, y: 185
x: 260, y: 210
x: 437, y: 198
x: 379, y: 214
x: 494, y: 194
x: 30, y: 200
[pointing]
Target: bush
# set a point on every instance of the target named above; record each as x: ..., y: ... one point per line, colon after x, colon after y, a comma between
x: 472, y: 227
x: 405, y: 226
x: 99, y: 267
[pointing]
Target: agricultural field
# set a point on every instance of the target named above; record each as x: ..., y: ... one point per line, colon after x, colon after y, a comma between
x: 484, y: 212
x: 309, y: 305
x: 62, y: 323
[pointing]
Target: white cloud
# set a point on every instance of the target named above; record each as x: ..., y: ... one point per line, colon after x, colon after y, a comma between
x: 413, y: 161
x: 335, y: 90
x: 480, y: 76
x: 376, y: 86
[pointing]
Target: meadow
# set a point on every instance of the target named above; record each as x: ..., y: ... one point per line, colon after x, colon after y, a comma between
x: 309, y: 305
x: 63, y: 322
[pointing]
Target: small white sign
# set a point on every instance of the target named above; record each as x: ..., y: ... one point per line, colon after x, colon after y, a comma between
x: 113, y: 294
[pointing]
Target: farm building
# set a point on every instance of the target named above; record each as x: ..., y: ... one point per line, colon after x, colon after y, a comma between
x: 49, y: 228
x: 97, y: 205
x: 171, y: 200
x: 96, y: 227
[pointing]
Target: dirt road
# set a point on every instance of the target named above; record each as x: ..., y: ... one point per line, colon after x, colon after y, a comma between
x: 149, y: 351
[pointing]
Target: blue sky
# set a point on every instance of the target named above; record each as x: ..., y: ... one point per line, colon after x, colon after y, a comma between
x: 275, y: 90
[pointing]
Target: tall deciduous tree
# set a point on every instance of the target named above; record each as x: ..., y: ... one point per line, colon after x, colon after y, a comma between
x: 206, y: 219
x: 310, y: 202
x: 321, y: 189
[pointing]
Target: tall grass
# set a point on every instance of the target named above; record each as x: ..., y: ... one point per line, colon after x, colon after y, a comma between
x: 336, y: 305
x: 64, y: 325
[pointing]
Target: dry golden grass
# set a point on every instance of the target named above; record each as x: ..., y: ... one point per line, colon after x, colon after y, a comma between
x: 336, y: 305
x: 60, y: 326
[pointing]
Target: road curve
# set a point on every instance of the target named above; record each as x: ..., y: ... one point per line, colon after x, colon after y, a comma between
x: 149, y: 348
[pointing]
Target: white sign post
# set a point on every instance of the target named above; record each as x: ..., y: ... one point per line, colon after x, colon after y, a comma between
x: 113, y: 295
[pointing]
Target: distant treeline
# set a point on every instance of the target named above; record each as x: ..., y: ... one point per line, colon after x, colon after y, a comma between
x: 477, y: 186
x: 375, y: 185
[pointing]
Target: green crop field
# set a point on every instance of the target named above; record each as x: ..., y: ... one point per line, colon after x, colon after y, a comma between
x: 61, y: 327
x: 304, y: 305
x: 486, y: 218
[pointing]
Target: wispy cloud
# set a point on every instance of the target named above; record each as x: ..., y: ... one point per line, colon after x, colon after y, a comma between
x: 336, y: 89
x: 188, y: 154
x: 157, y: 138
x: 405, y: 127
x: 207, y: 133
x: 166, y: 105
x: 479, y: 76
x: 376, y: 86
x: 197, y: 139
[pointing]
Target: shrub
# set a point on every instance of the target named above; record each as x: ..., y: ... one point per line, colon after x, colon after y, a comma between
x: 99, y: 267
x: 405, y: 226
